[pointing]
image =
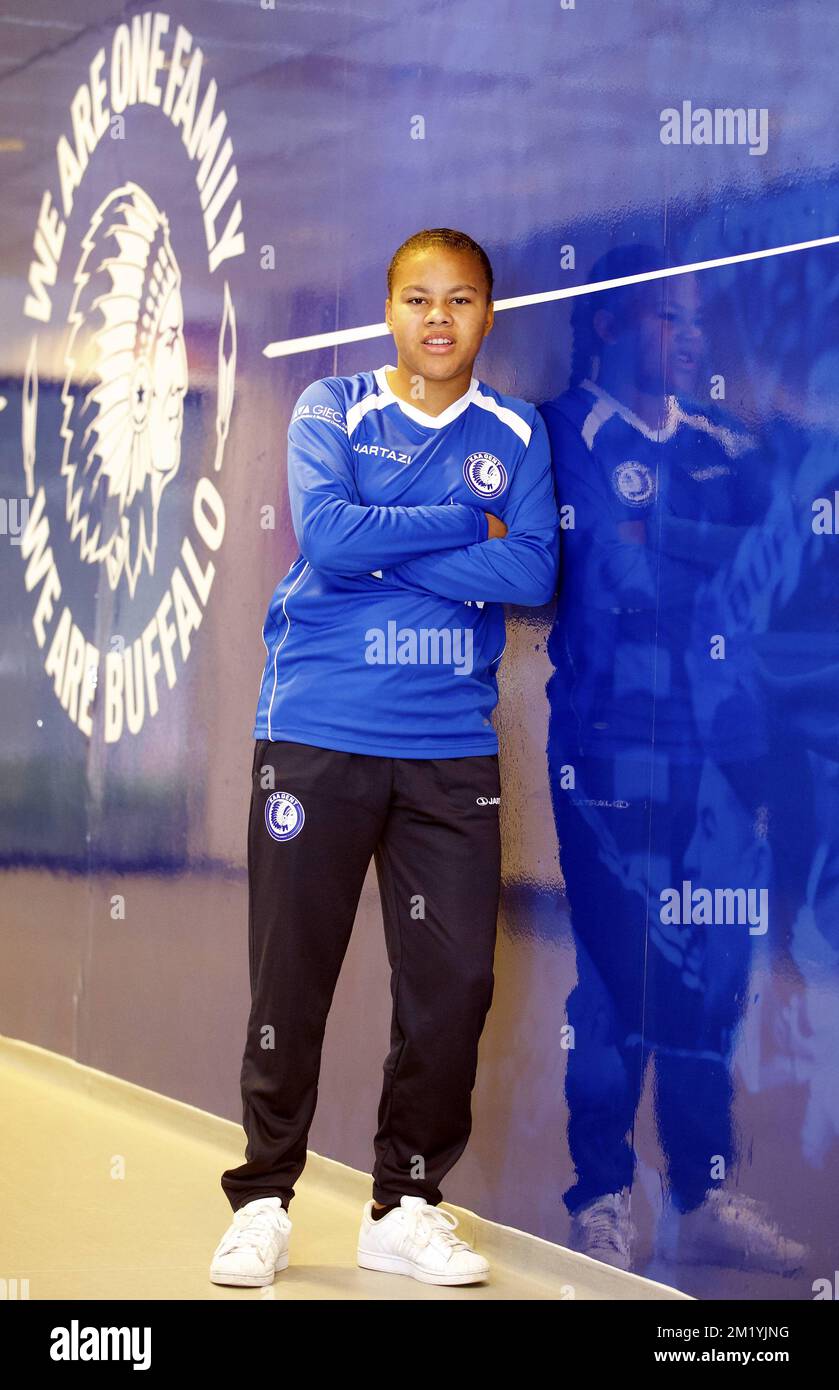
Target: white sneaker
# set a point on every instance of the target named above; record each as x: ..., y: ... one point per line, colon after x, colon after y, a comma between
x: 254, y: 1246
x: 603, y: 1229
x: 728, y: 1228
x: 417, y: 1239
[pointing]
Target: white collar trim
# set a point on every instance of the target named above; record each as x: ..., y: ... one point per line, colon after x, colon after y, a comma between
x: 660, y: 435
x: 432, y: 422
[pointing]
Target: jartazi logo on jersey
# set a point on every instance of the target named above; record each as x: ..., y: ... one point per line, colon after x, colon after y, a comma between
x: 488, y: 801
x: 125, y: 373
x: 381, y: 452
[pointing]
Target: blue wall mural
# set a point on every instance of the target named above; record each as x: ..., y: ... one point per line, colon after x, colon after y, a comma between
x: 658, y: 1083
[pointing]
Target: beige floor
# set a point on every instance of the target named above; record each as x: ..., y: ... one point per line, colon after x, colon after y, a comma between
x: 110, y: 1191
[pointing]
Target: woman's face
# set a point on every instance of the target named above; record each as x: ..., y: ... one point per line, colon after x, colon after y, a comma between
x: 438, y: 294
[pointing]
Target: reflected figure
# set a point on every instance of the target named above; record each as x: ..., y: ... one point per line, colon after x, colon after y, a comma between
x: 654, y: 751
x: 813, y: 1021
x: 790, y: 571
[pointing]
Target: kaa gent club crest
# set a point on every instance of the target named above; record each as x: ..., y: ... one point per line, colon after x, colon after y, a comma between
x: 284, y: 815
x: 634, y: 482
x: 124, y: 354
x: 485, y: 474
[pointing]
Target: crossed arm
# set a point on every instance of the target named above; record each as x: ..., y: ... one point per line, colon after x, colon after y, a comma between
x: 444, y: 549
x: 340, y: 536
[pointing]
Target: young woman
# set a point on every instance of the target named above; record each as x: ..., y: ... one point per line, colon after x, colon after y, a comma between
x: 422, y: 500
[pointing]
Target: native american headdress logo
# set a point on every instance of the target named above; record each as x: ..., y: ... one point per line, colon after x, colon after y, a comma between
x: 126, y: 379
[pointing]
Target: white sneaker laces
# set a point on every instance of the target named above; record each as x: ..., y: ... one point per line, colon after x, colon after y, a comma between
x: 250, y: 1228
x: 604, y: 1223
x: 424, y: 1224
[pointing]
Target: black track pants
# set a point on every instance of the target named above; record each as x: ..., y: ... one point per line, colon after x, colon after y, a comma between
x: 433, y: 826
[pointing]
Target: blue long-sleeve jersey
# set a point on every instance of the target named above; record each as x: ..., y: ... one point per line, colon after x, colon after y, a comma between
x: 658, y: 514
x: 386, y: 633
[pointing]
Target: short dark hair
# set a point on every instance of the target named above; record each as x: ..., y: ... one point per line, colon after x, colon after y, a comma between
x: 440, y: 236
x: 632, y: 258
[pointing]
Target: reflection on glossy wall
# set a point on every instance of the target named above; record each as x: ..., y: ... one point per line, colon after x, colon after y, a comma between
x: 186, y: 184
